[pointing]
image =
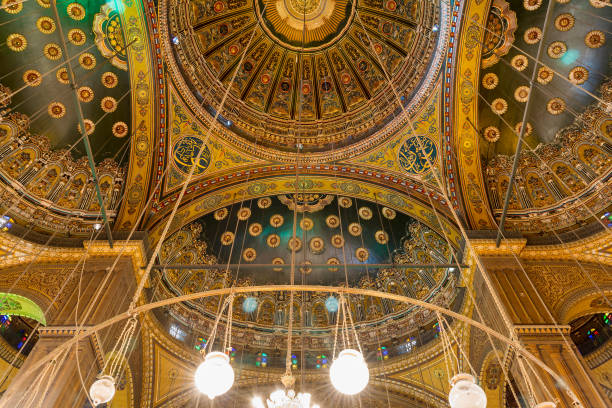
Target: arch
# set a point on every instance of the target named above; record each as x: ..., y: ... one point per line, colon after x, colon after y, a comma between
x: 17, y: 305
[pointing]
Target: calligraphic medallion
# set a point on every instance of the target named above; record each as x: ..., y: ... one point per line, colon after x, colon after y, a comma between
x: 186, y: 151
x: 417, y: 154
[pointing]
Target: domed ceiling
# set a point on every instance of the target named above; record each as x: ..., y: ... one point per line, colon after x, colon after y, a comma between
x: 325, y: 86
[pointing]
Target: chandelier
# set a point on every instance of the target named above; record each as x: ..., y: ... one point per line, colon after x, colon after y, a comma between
x: 282, y: 399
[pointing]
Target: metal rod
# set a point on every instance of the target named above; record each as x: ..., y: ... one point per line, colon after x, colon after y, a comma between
x: 519, y: 144
x: 224, y: 266
x: 85, y: 136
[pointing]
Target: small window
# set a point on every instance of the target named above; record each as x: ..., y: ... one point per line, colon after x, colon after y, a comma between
x: 177, y: 332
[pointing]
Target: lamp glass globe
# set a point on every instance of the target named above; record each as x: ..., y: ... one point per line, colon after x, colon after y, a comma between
x: 103, y: 390
x: 215, y: 376
x: 465, y: 393
x: 349, y: 372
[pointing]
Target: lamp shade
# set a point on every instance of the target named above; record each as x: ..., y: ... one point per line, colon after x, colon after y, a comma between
x: 349, y: 372
x: 103, y: 390
x: 215, y: 376
x: 465, y: 393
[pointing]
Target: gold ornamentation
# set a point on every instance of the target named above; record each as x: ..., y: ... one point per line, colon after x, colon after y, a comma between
x: 45, y: 25
x: 595, y: 39
x: 244, y: 213
x: 365, y: 213
x: 345, y: 202
x: 109, y: 80
x: 295, y: 244
x: 333, y: 261
x: 545, y: 75
x: 220, y: 214
x: 90, y: 126
x: 490, y: 80
x: 381, y: 237
x: 273, y: 240
x: 108, y: 104
x: 316, y: 245
x: 532, y: 35
x: 578, y: 75
x: 491, y: 134
x: 306, y: 224
x: 52, y: 51
x: 12, y: 6
x: 362, y: 254
x: 564, y: 22
x: 519, y: 62
x: 76, y: 11
x: 278, y: 261
x: 532, y: 5
x: 499, y: 106
x: 519, y: 126
x: 264, y: 202
x: 227, y: 238
x: 599, y: 3
x: 76, y: 36
x: 249, y: 254
x: 56, y: 110
x: 44, y: 3
x: 337, y: 241
x: 120, y: 129
x: 332, y: 221
x: 389, y: 213
x: 556, y: 49
x: 16, y: 42
x: 87, y: 60
x: 85, y: 94
x: 255, y: 229
x: 276, y: 220
x: 305, y: 267
x: 354, y: 229
x: 62, y: 76
x: 32, y: 77
x: 521, y: 94
x: 555, y: 106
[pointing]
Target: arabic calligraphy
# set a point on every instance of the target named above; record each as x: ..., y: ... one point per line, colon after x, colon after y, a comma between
x: 185, y: 152
x: 413, y: 158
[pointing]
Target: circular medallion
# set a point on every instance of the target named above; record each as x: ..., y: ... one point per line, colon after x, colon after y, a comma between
x: 555, y: 106
x: 306, y: 224
x: 564, y: 22
x: 545, y: 75
x: 56, y: 110
x: 273, y: 240
x: 519, y: 62
x: 417, y: 154
x: 532, y: 35
x: 595, y: 39
x: 265, y: 78
x: 227, y: 238
x: 87, y: 60
x: 255, y: 229
x: 85, y: 94
x: 249, y: 254
x: 532, y: 5
x: 381, y: 237
x: 52, y: 51
x: 120, y: 129
x: 333, y: 261
x: 362, y: 254
x: 109, y: 80
x: 354, y: 229
x: 391, y: 5
x: 32, y: 77
x: 316, y: 245
x: 305, y: 267
x: 337, y: 241
x: 490, y: 80
x: 221, y: 213
x: 491, y: 134
x: 556, y: 49
x: 108, y: 104
x: 62, y: 76
x: 278, y: 261
x: 578, y: 75
x: 45, y: 25
x: 16, y: 42
x: 365, y: 213
x: 345, y: 202
x: 499, y: 106
x: 218, y: 6
x: 276, y: 220
x: 186, y: 151
x: 233, y: 49
x: 295, y: 244
x: 388, y: 213
x: 12, y: 6
x: 76, y: 36
x: 519, y: 127
x: 44, y: 3
x: 76, y: 11
x: 244, y: 213
x: 332, y: 221
x: 600, y: 3
x: 90, y: 126
x: 521, y: 94
x: 264, y: 202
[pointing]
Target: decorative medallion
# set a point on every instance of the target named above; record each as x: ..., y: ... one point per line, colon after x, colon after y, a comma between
x: 186, y: 151
x: 273, y: 240
x: 519, y: 62
x: 345, y: 202
x: 519, y: 127
x: 556, y: 49
x: 255, y: 229
x: 417, y: 154
x: 87, y: 60
x: 316, y: 245
x: 264, y: 202
x: 76, y: 11
x: 337, y: 241
x: 227, y: 238
x: 32, y: 77
x: 555, y: 106
x: 365, y: 213
x: 332, y: 221
x: 220, y: 214
x: 333, y: 261
x: 388, y: 213
x: 120, y: 129
x: 52, y: 51
x: 532, y: 5
x: 62, y: 76
x: 16, y: 42
x: 354, y: 229
x: 12, y: 6
x: 76, y: 36
x: 545, y: 75
x: 278, y: 261
x: 600, y: 3
x: 276, y: 220
x: 595, y: 39
x: 381, y: 237
x: 108, y: 104
x: 249, y: 254
x: 85, y: 94
x: 244, y: 213
x: 521, y: 94
x: 109, y: 36
x: 491, y: 134
x: 490, y: 80
x: 45, y: 25
x: 532, y: 35
x: 44, y: 3
x: 90, y: 126
x: 295, y: 244
x: 499, y: 34
x: 306, y: 224
x: 109, y: 80
x: 578, y: 75
x: 56, y: 110
x: 362, y: 254
x: 499, y: 106
x: 305, y: 267
x: 564, y: 22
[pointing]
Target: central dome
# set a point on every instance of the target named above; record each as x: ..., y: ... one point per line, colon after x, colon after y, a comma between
x: 325, y: 87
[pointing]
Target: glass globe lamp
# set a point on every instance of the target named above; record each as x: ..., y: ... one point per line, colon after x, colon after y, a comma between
x: 465, y: 393
x: 215, y: 376
x: 349, y: 372
x: 103, y: 390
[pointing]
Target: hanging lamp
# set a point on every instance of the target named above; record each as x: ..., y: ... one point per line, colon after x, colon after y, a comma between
x: 102, y: 390
x: 465, y: 393
x: 215, y: 376
x: 349, y: 372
